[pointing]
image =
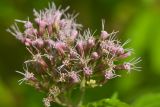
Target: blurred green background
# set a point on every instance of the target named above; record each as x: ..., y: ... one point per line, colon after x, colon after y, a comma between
x: 138, y: 20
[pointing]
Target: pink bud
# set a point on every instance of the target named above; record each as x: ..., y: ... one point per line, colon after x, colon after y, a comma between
x: 80, y: 47
x: 74, y: 34
x: 41, y: 22
x: 104, y: 35
x: 42, y: 64
x: 49, y: 42
x: 74, y: 77
x: 40, y: 43
x: 113, y: 49
x: 109, y: 75
x: 120, y: 50
x: 22, y: 40
x: 95, y: 55
x: 125, y: 55
x: 60, y: 46
x: 28, y: 24
x: 87, y: 71
x: 90, y: 42
x: 127, y: 66
x: 29, y: 76
x: 30, y: 31
x: 28, y: 42
x: 34, y: 43
x: 73, y: 54
x: 42, y: 25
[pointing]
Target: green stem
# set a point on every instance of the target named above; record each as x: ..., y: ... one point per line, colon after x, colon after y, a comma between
x: 59, y: 102
x: 64, y: 102
x: 82, y: 89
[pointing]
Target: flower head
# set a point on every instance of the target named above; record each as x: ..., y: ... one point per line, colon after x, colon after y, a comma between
x: 63, y: 56
x: 87, y: 71
x: 74, y: 77
x: 109, y: 74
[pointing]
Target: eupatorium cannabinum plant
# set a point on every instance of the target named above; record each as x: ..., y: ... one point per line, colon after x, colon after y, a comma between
x: 63, y: 57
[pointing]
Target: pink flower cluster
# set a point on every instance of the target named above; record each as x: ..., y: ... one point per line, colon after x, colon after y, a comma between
x: 63, y: 56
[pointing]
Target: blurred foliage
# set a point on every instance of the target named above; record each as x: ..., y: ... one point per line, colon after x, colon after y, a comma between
x: 138, y: 20
x: 112, y: 102
x: 149, y: 100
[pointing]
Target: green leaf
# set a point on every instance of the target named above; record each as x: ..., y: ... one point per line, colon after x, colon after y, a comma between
x: 113, y: 102
x: 148, y: 100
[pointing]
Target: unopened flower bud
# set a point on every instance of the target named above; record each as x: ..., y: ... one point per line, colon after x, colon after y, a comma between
x: 104, y: 35
x: 42, y: 25
x: 61, y: 47
x: 41, y: 22
x: 22, y: 40
x: 28, y: 76
x: 90, y: 42
x: 42, y: 64
x: 28, y: 24
x: 80, y: 47
x: 73, y: 54
x: 49, y: 42
x: 40, y: 43
x: 87, y: 71
x: 120, y: 50
x: 95, y: 55
x: 30, y: 31
x: 74, y: 34
x: 126, y: 66
x: 74, y: 77
x: 109, y: 75
x: 28, y: 42
x: 113, y: 49
x: 125, y: 55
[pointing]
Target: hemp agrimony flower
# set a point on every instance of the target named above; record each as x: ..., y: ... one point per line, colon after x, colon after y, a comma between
x: 63, y: 57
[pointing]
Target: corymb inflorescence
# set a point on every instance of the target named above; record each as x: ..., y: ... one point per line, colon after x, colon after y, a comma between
x: 64, y: 57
